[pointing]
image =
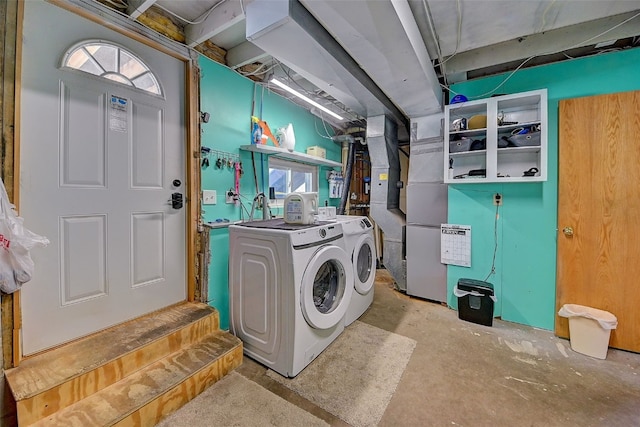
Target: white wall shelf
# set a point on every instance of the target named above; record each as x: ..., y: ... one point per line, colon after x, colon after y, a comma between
x: 282, y: 153
x: 505, y: 115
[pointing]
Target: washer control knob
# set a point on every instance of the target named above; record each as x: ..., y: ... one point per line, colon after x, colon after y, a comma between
x: 323, y: 233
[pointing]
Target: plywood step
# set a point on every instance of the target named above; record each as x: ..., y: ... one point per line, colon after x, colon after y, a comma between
x: 145, y: 397
x: 51, y: 381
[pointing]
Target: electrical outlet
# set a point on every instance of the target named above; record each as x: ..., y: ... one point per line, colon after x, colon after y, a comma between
x: 497, y: 199
x: 230, y: 197
x: 209, y: 197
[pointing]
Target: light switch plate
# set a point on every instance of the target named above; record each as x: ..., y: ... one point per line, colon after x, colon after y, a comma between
x: 209, y: 197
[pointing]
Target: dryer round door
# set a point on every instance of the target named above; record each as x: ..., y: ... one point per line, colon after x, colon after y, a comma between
x: 327, y: 285
x: 364, y: 264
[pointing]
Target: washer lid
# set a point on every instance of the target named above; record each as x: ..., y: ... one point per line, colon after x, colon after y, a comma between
x: 326, y: 287
x: 364, y: 267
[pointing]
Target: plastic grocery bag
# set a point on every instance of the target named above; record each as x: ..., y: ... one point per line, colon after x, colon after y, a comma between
x: 16, y: 242
x: 604, y: 318
x: 460, y: 293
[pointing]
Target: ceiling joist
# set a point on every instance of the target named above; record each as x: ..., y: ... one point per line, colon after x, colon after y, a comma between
x: 245, y: 53
x: 545, y: 43
x: 138, y: 7
x: 214, y: 22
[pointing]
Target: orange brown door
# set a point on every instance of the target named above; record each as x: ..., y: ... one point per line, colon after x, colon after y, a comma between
x: 599, y: 211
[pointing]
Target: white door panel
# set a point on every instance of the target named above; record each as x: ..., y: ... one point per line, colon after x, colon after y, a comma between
x: 83, y: 136
x: 148, y: 154
x: 97, y: 182
x: 83, y: 251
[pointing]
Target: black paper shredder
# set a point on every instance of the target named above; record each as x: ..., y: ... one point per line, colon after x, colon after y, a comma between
x: 476, y: 305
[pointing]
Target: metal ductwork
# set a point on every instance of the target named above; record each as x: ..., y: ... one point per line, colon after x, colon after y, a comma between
x: 382, y: 139
x: 287, y: 31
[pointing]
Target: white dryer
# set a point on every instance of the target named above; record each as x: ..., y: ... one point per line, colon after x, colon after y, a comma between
x: 360, y: 246
x: 289, y: 287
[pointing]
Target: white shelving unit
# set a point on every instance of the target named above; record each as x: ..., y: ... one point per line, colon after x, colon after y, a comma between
x: 505, y: 115
x: 290, y: 155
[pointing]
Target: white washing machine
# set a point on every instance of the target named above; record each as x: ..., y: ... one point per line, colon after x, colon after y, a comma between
x: 360, y: 246
x: 289, y: 288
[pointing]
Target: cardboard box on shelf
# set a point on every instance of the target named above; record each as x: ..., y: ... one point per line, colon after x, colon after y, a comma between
x: 317, y: 151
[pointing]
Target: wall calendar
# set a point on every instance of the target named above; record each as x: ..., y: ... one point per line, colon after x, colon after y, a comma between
x: 455, y: 244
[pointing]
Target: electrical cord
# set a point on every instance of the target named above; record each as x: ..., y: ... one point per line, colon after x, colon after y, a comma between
x: 334, y: 102
x: 544, y: 16
x: 315, y: 125
x: 459, y: 35
x: 484, y: 95
x: 118, y: 3
x: 244, y: 208
x: 259, y: 70
x: 434, y: 35
x: 199, y: 21
x: 495, y: 247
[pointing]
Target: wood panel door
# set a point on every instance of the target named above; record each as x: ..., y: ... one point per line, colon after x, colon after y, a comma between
x: 599, y: 200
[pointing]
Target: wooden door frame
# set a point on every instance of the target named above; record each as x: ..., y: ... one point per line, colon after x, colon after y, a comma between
x: 12, y: 44
x: 11, y: 310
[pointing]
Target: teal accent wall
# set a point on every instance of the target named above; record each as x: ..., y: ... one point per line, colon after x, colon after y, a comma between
x: 219, y: 273
x: 228, y: 97
x: 525, y: 277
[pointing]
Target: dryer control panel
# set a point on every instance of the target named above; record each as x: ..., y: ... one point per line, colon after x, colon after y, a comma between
x: 314, y: 236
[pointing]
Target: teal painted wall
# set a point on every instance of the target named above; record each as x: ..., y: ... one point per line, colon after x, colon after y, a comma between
x: 525, y: 278
x: 219, y: 273
x: 228, y: 98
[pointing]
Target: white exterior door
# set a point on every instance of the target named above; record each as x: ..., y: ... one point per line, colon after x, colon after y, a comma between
x: 99, y: 161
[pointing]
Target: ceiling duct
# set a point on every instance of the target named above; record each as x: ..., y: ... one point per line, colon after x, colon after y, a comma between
x: 287, y: 31
x: 383, y: 37
x: 384, y: 203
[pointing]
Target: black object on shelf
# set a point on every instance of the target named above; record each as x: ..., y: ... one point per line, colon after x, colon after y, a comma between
x: 478, y: 172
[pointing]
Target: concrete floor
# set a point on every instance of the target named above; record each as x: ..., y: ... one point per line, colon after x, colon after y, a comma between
x: 463, y: 374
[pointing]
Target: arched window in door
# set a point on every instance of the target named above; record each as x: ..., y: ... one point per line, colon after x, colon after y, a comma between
x: 112, y: 62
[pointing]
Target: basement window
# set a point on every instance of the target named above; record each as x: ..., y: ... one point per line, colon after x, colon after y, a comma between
x: 111, y: 62
x: 288, y: 177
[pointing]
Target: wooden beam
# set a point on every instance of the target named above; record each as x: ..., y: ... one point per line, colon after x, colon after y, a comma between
x: 109, y: 18
x: 160, y: 21
x: 11, y: 19
x: 138, y: 7
x: 194, y: 281
x: 224, y: 15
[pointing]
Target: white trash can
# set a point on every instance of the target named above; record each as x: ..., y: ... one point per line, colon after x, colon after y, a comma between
x: 589, y: 329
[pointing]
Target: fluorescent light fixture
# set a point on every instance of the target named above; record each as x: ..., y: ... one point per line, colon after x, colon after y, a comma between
x: 305, y: 98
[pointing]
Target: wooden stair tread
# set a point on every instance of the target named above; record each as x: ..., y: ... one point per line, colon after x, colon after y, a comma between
x: 57, y: 366
x: 122, y: 401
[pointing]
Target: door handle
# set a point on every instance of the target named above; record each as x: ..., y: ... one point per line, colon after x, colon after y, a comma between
x: 568, y: 231
x: 176, y: 200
